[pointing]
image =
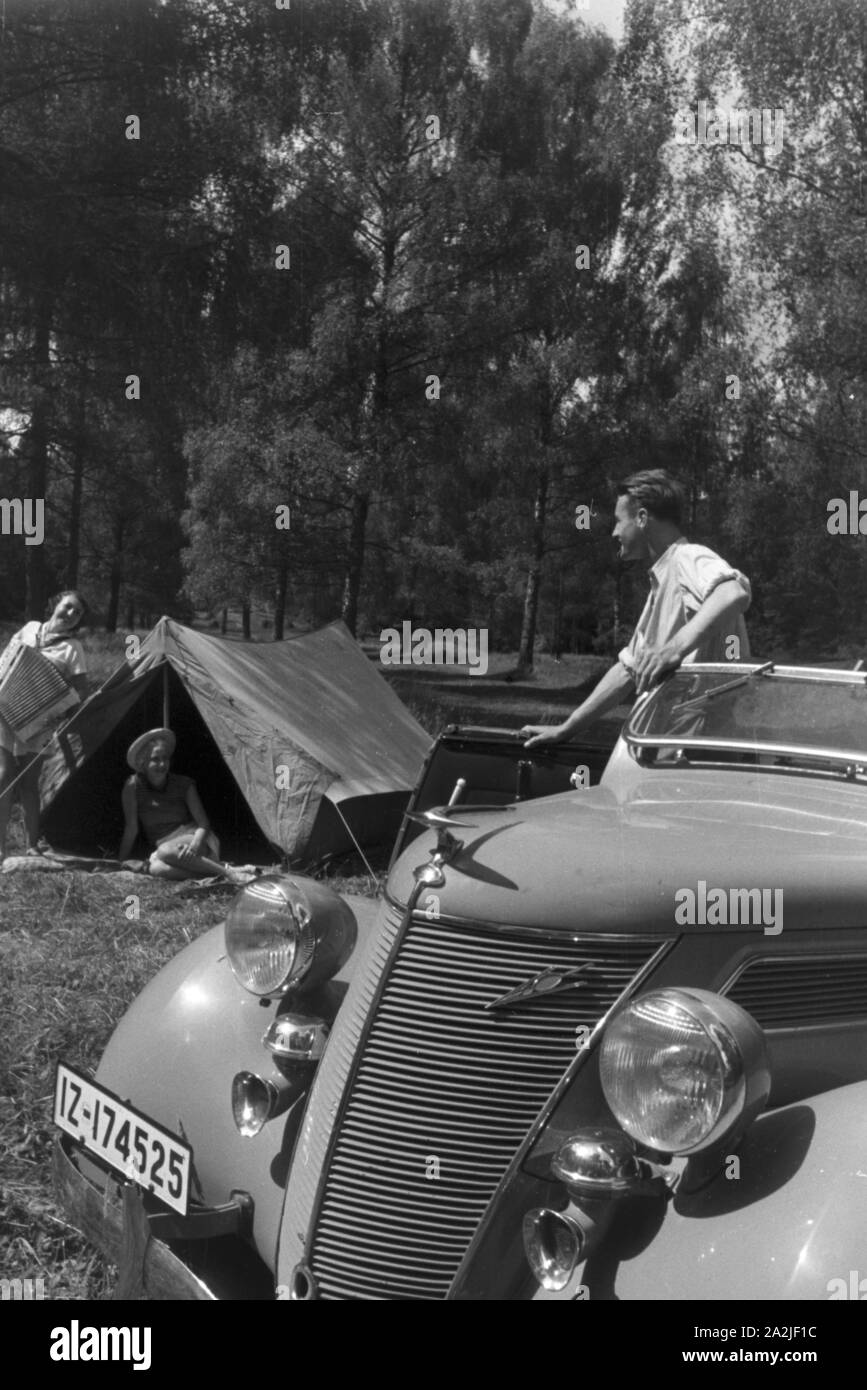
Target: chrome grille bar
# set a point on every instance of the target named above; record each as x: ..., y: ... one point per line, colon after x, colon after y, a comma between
x: 794, y: 991
x: 443, y: 1095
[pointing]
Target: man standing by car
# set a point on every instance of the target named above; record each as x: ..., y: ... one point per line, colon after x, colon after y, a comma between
x: 695, y: 605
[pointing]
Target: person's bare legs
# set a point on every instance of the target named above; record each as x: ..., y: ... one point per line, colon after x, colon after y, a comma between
x: 168, y: 862
x: 8, y: 773
x: 29, y: 791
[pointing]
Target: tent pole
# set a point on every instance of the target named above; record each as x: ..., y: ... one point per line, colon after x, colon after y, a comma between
x: 166, y: 724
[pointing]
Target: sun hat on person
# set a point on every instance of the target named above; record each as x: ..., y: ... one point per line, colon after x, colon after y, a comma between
x: 137, y: 751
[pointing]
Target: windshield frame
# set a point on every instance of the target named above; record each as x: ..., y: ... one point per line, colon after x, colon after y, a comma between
x: 855, y: 760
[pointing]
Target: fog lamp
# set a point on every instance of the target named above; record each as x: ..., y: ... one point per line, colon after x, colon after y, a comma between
x: 257, y: 1099
x: 682, y: 1068
x: 552, y: 1244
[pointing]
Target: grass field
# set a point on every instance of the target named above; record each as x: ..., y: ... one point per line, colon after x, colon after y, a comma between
x: 72, y: 962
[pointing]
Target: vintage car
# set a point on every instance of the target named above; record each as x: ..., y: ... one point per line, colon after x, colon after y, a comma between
x: 605, y: 1040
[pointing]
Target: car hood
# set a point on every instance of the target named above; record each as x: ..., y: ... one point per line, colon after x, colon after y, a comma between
x: 601, y: 861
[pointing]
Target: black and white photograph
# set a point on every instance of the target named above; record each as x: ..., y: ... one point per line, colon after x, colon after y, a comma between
x: 433, y: 664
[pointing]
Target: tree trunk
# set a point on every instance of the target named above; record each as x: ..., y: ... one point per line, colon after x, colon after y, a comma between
x: 37, y: 459
x: 73, y: 549
x: 130, y: 617
x: 534, y: 576
x: 224, y: 620
x: 280, y: 601
x: 245, y: 620
x: 409, y: 592
x: 557, y: 636
x: 355, y: 563
x: 115, y: 577
x: 374, y: 443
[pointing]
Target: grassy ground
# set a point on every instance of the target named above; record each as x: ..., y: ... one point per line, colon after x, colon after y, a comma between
x: 71, y: 961
x: 71, y: 964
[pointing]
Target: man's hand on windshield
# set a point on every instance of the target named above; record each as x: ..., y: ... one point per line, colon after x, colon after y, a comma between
x: 654, y: 663
x: 539, y: 734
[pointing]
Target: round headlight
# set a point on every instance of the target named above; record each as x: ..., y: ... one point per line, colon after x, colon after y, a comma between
x: 284, y: 931
x: 681, y: 1067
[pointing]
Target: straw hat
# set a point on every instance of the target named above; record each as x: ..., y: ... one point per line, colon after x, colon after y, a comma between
x: 138, y: 748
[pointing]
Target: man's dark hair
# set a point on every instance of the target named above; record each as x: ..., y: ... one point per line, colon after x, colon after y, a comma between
x: 660, y: 494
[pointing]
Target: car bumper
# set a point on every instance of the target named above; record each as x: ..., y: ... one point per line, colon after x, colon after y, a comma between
x: 115, y: 1220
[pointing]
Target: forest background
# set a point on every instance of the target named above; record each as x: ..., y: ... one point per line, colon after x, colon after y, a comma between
x: 341, y: 308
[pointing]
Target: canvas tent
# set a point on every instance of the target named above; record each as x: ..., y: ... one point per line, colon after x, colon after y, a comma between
x: 292, y: 744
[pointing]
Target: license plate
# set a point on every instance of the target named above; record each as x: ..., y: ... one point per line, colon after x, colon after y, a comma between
x: 128, y: 1142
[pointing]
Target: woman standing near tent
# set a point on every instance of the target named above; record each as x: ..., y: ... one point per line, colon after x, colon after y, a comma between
x: 166, y: 807
x: 19, y: 760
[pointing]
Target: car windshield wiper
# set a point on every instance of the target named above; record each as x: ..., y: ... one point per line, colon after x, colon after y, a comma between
x: 709, y: 695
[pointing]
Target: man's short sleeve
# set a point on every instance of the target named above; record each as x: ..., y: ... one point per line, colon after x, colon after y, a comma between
x: 700, y: 571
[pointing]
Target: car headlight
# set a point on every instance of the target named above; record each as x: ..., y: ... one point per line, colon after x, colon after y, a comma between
x: 681, y: 1067
x: 284, y: 931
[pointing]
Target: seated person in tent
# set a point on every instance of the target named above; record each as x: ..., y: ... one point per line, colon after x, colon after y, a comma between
x: 168, y: 810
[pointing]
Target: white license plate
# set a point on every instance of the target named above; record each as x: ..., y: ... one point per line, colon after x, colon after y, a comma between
x: 130, y: 1143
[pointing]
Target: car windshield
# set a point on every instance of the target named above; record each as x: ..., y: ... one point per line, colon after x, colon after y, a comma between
x: 766, y: 706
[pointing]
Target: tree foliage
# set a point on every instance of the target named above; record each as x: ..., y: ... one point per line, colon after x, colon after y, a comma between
x: 380, y: 293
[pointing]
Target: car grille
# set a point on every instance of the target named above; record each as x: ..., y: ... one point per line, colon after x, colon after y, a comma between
x: 783, y: 992
x: 443, y: 1096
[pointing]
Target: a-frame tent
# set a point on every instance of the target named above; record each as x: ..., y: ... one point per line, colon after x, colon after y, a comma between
x: 295, y: 746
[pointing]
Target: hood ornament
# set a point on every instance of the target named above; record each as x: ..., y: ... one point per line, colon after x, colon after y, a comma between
x: 545, y: 982
x: 440, y: 819
x: 431, y: 874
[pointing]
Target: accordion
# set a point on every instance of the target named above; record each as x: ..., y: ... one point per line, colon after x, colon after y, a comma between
x: 33, y: 694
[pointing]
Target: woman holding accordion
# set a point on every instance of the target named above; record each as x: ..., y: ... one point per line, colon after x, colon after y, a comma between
x: 53, y: 641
